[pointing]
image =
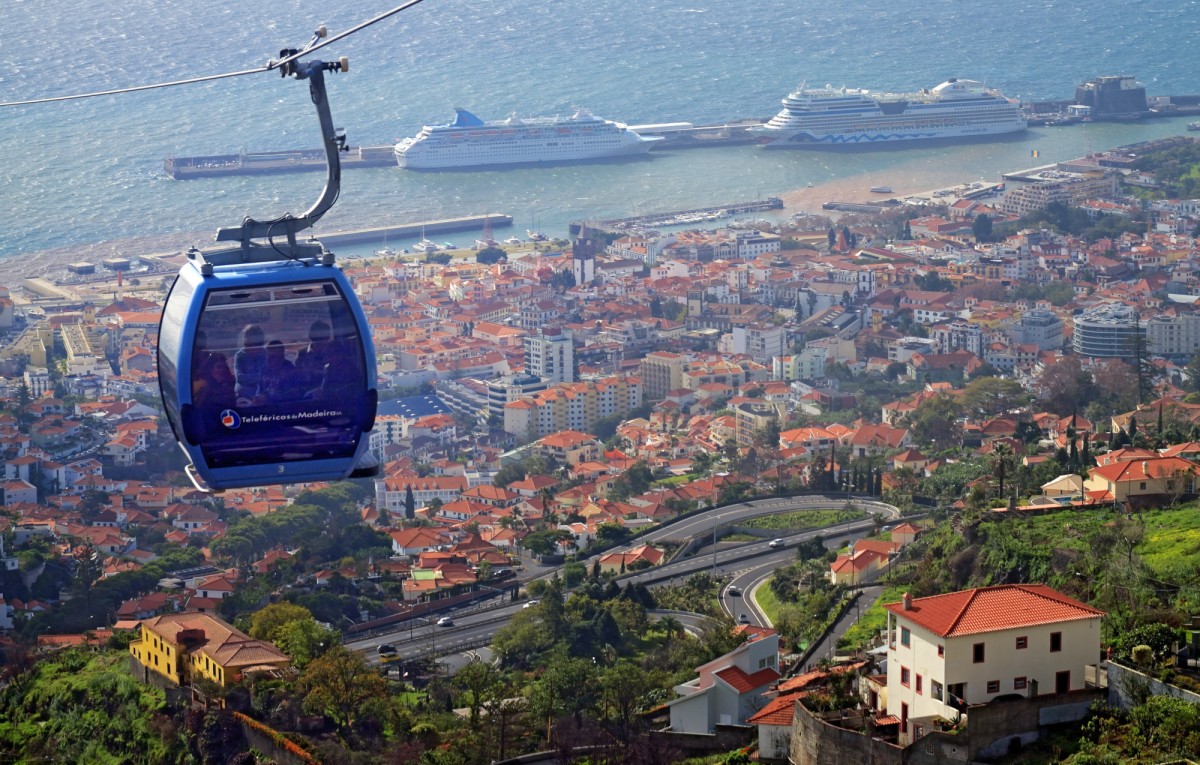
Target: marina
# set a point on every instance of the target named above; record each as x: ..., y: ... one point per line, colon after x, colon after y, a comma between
x: 409, y: 230
x: 682, y: 217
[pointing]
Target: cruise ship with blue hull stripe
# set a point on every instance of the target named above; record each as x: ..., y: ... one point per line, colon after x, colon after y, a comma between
x: 842, y: 117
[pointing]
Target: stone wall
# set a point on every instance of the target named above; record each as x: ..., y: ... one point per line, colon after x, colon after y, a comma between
x: 1128, y: 687
x: 723, y: 739
x: 816, y: 742
x: 990, y: 731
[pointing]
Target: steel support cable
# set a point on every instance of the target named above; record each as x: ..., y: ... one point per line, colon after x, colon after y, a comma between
x: 270, y: 66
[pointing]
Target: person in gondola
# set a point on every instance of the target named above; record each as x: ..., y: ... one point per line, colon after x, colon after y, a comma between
x: 310, y: 363
x: 248, y: 364
x: 279, y: 383
x: 212, y: 383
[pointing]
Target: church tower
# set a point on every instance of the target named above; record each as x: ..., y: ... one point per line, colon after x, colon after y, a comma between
x: 583, y: 258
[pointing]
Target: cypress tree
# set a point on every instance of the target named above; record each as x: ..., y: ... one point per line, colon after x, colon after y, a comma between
x: 410, y: 503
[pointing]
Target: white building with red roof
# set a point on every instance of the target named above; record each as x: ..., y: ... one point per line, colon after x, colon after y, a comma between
x: 949, y: 652
x: 730, y: 688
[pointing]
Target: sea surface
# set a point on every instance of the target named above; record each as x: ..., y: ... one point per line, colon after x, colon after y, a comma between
x: 88, y: 175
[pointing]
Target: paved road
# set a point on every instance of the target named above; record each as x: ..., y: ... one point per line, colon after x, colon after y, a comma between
x: 474, y: 625
x: 827, y: 647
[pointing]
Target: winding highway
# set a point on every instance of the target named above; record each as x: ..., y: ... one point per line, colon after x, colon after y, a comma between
x: 751, y: 563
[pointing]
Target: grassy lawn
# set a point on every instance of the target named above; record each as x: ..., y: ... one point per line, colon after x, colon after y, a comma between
x: 764, y: 598
x: 804, y: 519
x: 1172, y: 539
x: 675, y: 480
x: 740, y: 538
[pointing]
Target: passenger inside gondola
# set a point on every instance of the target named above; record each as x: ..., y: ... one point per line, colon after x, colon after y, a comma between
x: 279, y: 377
x: 213, y: 383
x: 312, y: 360
x: 248, y: 364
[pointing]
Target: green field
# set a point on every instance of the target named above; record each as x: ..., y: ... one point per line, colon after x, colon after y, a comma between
x: 804, y: 519
x: 1172, y: 539
x: 765, y: 599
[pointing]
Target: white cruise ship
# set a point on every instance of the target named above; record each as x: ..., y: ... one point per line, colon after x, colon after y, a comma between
x: 814, y: 117
x: 472, y: 142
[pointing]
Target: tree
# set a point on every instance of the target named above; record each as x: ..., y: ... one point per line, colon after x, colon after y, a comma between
x: 567, y: 687
x: 935, y: 421
x: 1002, y: 455
x: 305, y: 639
x: 477, y: 682
x: 623, y: 686
x: 981, y: 227
x: 267, y: 621
x: 1063, y: 385
x: 991, y: 396
x: 410, y: 503
x: 342, y: 687
x: 490, y: 255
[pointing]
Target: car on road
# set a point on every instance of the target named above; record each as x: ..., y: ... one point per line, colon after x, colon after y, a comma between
x: 445, y: 621
x: 734, y: 591
x: 743, y: 619
x: 531, y: 603
x: 386, y: 648
x: 775, y: 544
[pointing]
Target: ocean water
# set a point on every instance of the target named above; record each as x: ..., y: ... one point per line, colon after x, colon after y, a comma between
x: 88, y: 175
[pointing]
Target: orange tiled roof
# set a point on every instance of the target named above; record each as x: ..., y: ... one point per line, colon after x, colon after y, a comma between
x: 990, y: 609
x: 778, y: 711
x: 744, y: 683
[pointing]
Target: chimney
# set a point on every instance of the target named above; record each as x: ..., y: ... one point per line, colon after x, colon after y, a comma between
x: 906, y: 599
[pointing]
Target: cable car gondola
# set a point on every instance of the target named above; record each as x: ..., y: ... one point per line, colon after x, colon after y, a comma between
x: 265, y: 359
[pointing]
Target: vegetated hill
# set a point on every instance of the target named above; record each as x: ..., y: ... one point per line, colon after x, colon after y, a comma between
x: 85, y: 707
x: 1140, y: 568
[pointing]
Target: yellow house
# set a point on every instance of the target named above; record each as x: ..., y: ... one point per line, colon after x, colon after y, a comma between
x: 185, y: 647
x: 619, y: 562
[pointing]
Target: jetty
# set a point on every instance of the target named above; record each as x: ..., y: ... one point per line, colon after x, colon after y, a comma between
x: 682, y: 217
x: 270, y: 162
x: 407, y: 230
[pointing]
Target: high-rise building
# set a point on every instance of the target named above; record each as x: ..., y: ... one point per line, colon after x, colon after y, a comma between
x: 662, y: 372
x: 550, y: 355
x: 1110, y: 331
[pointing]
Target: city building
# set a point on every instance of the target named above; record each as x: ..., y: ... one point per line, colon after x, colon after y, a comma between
x: 948, y: 652
x: 183, y: 648
x: 1174, y: 336
x: 571, y: 406
x: 1038, y: 327
x: 1069, y: 190
x: 550, y: 355
x: 661, y: 372
x: 1109, y: 331
x: 730, y: 688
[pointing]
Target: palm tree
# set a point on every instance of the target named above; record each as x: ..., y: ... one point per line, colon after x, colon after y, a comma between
x: 1001, y: 455
x: 672, y: 626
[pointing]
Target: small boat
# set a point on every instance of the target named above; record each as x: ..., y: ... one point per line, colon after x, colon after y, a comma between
x: 881, y: 189
x: 1194, y: 125
x: 513, y: 240
x: 535, y: 236
x: 426, y: 246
